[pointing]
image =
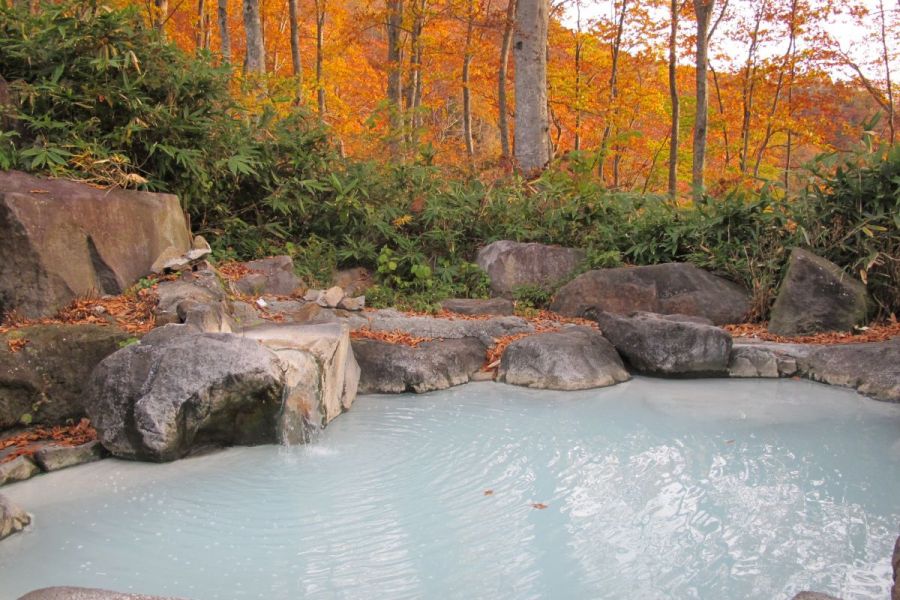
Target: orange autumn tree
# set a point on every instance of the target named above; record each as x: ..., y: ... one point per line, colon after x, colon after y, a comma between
x: 777, y: 94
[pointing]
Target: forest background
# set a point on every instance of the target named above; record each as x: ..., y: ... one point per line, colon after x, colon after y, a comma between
x: 380, y: 132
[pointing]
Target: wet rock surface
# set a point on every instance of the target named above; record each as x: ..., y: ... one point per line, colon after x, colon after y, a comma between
x: 575, y: 358
x: 668, y: 344
x: 174, y: 394
x: 12, y: 518
x: 18, y: 469
x: 671, y: 288
x: 817, y: 295
x: 54, y: 458
x: 434, y: 365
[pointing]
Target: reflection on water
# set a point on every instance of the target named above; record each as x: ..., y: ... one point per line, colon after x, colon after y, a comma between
x: 654, y: 489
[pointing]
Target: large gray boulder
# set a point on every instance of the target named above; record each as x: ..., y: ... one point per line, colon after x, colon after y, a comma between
x: 79, y: 593
x: 511, y: 265
x: 176, y: 393
x: 668, y: 344
x: 575, y: 358
x: 817, y: 295
x: 434, y: 365
x: 45, y: 378
x: 61, y: 240
x: 671, y: 288
x: 12, y: 518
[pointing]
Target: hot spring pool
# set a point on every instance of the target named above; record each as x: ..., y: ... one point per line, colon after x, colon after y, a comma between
x: 653, y: 489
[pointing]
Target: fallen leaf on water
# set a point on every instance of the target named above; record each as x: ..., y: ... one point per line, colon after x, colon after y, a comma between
x: 539, y: 505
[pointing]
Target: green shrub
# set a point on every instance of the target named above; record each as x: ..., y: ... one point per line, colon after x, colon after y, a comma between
x: 98, y: 96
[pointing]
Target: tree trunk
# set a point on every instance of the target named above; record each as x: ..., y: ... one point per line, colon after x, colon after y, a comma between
x: 579, y: 44
x: 320, y: 58
x: 786, y: 64
x: 887, y: 73
x: 506, y: 44
x: 295, y: 48
x: 673, y: 94
x: 255, y: 58
x: 613, y: 90
x: 160, y: 14
x: 395, y: 64
x: 413, y: 96
x: 224, y: 33
x: 703, y: 10
x: 530, y: 47
x: 467, y: 95
x: 749, y: 87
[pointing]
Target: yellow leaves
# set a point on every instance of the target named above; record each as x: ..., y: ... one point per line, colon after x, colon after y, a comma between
x: 402, y: 221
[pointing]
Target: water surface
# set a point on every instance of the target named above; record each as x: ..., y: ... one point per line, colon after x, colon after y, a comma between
x: 653, y: 489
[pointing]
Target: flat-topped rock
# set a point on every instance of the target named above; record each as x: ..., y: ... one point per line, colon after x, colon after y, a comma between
x: 43, y: 381
x: 486, y: 330
x: 478, y: 306
x: 512, y: 265
x: 12, y: 518
x: 817, y: 295
x: 668, y: 344
x: 62, y: 240
x: 79, y: 593
x: 575, y: 358
x: 871, y: 368
x: 54, y: 457
x: 435, y: 365
x: 319, y: 353
x: 751, y: 360
x: 671, y: 288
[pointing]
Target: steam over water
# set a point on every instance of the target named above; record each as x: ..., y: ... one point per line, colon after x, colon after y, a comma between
x: 653, y: 489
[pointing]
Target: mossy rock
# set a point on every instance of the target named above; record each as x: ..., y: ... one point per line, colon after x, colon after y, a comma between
x: 41, y: 382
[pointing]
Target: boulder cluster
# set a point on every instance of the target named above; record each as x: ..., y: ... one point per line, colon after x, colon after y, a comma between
x: 255, y: 357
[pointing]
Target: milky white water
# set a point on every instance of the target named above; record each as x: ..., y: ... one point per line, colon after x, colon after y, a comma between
x: 653, y: 489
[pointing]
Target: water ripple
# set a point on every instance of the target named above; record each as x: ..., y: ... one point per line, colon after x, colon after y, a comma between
x: 652, y: 489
